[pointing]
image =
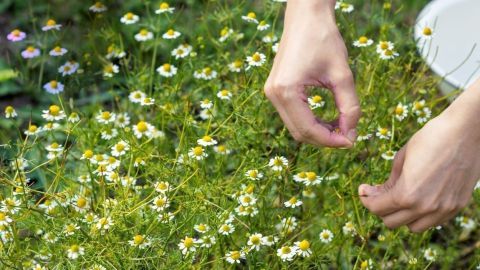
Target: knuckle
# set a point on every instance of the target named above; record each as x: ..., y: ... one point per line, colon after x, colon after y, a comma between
x: 405, y: 201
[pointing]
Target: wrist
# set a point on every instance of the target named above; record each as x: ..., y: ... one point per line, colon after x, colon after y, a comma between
x: 316, y: 6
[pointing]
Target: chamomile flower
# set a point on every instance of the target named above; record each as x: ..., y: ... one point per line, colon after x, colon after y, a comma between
x: 32, y: 130
x: 385, y: 45
x: 16, y: 35
x: 80, y: 203
x: 247, y: 200
x: 129, y: 18
x: 366, y: 264
x: 262, y: 26
x: 225, y: 33
x: 206, y: 141
x: 70, y: 229
x: 120, y: 148
x: 423, y: 115
x: 5, y: 219
x: 68, y: 68
x: 188, y: 245
x: 206, y: 73
x: 389, y: 155
x: 164, y: 8
x: 137, y: 96
x: 388, y: 55
x: 278, y: 163
x: 269, y: 240
x: 181, y: 51
x: 316, y: 102
x: 303, y: 248
x: 430, y: 254
x: 54, y: 147
x: 344, y: 7
x: 235, y: 66
x: 206, y: 104
x: 234, y: 257
x: 167, y: 70
x: 293, y: 202
x: 255, y: 241
x: 401, y: 112
x: 270, y: 38
x: 30, y: 52
x: 53, y: 87
x: 110, y: 69
x: 256, y: 60
x: 143, y: 35
x: 10, y: 112
x: 275, y: 47
x: 383, y: 133
x: 226, y: 229
x: 201, y: 228
x: 349, y: 229
x: 160, y: 203
x: 98, y: 7
x: 54, y: 113
x: 254, y: 174
x: 51, y: 24
x: 143, y: 129
x: 162, y: 187
x: 251, y: 17
x: 197, y: 153
x: 326, y: 236
x: 75, y: 251
x: 466, y: 223
x: 364, y: 137
x: 58, y: 51
x: 171, y: 34
x: 362, y: 41
x: 224, y: 94
x: 147, y: 101
x: 287, y: 253
x: 427, y: 33
x: 140, y: 241
x: 105, y: 117
x: 123, y: 120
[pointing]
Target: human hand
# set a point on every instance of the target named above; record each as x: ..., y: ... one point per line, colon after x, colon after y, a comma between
x: 312, y: 53
x: 434, y: 174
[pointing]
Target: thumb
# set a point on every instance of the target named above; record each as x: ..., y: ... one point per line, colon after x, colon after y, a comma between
x: 396, y: 170
x: 379, y: 201
x: 346, y: 99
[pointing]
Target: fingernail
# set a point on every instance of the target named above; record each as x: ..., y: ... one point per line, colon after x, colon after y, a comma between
x: 366, y: 190
x: 352, y: 135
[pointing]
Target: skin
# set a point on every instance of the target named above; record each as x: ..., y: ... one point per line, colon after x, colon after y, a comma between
x: 433, y: 175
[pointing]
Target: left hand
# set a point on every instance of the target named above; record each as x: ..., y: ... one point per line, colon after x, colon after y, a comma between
x: 433, y: 175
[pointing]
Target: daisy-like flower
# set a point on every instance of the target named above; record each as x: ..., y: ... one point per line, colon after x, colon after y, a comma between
x: 143, y: 35
x: 16, y: 35
x: 256, y: 60
x: 206, y: 73
x: 110, y: 69
x: 167, y: 70
x: 109, y: 133
x: 122, y: 120
x: 251, y: 17
x: 316, y: 102
x: 201, y: 228
x: 51, y: 24
x: 278, y: 163
x: 140, y: 241
x: 262, y: 26
x: 366, y: 264
x: 147, y: 101
x: 54, y: 147
x: 349, y: 229
x: 70, y: 229
x: 98, y: 7
x: 247, y: 200
x: 423, y: 115
x: 50, y: 126
x: 188, y: 245
x: 221, y: 149
x: 206, y: 141
x: 383, y: 133
x: 120, y: 148
x: 129, y: 18
x: 160, y: 203
x: 385, y: 45
x: 303, y: 248
x: 162, y: 187
x: 164, y: 8
x: 234, y: 257
x: 58, y: 51
x: 326, y: 236
x: 287, y: 253
x: 54, y: 113
x: 344, y: 7
x: 255, y: 241
x: 362, y: 41
x: 114, y: 52
x: 427, y: 33
x: 197, y: 153
x: 80, y: 203
x: 235, y: 66
x: 224, y: 94
x: 30, y: 52
x: 226, y: 229
x: 275, y: 47
x: 5, y: 219
x: 254, y: 174
x: 53, y: 87
x: 293, y: 203
x: 181, y: 51
x: 225, y: 33
x: 10, y: 112
x: 105, y: 117
x: 75, y: 251
x: 388, y: 55
x: 401, y: 112
x: 32, y: 130
x: 466, y: 223
x: 270, y: 38
x: 137, y: 96
x: 389, y: 155
x: 68, y: 68
x: 364, y: 137
x: 206, y: 104
x: 171, y: 34
x: 430, y: 254
x: 269, y: 240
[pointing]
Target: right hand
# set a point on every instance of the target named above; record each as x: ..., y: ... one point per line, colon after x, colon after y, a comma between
x: 313, y: 53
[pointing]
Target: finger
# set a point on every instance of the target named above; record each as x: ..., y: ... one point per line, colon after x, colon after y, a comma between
x: 400, y: 218
x: 432, y: 220
x: 307, y: 127
x: 396, y: 170
x: 381, y: 203
x: 346, y: 99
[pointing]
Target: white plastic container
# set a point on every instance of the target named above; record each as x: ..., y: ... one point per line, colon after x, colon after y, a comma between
x: 453, y: 51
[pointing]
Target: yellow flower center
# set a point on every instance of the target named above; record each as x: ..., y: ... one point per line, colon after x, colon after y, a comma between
x: 81, y: 202
x: 119, y: 147
x: 277, y: 162
x: 256, y: 57
x: 304, y: 245
x: 54, y: 110
x: 253, y: 173
x: 225, y: 228
x: 74, y: 248
x: 363, y: 40
x: 235, y: 255
x: 58, y: 49
x: 202, y: 227
x: 164, y: 5
x: 54, y: 84
x: 311, y: 176
x: 54, y: 145
x: 286, y: 250
x: 188, y: 242
x: 99, y: 5
x: 237, y: 64
x: 207, y: 71
x: 364, y: 265
x: 129, y: 16
x: 138, y: 239
x: 30, y: 49
x: 108, y: 68
x: 171, y: 32
x: 160, y: 202
x: 384, y: 45
x: 16, y: 32
x: 383, y: 131
x: 198, y: 151
x: 427, y: 31
x: 2, y: 216
x: 51, y: 22
x: 399, y: 110
x: 106, y: 115
x: 224, y: 31
x: 207, y: 138
x: 317, y: 99
x: 388, y: 52
x: 255, y: 240
x: 88, y: 153
x: 167, y: 67
x: 293, y: 200
x: 144, y: 32
x: 252, y: 15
